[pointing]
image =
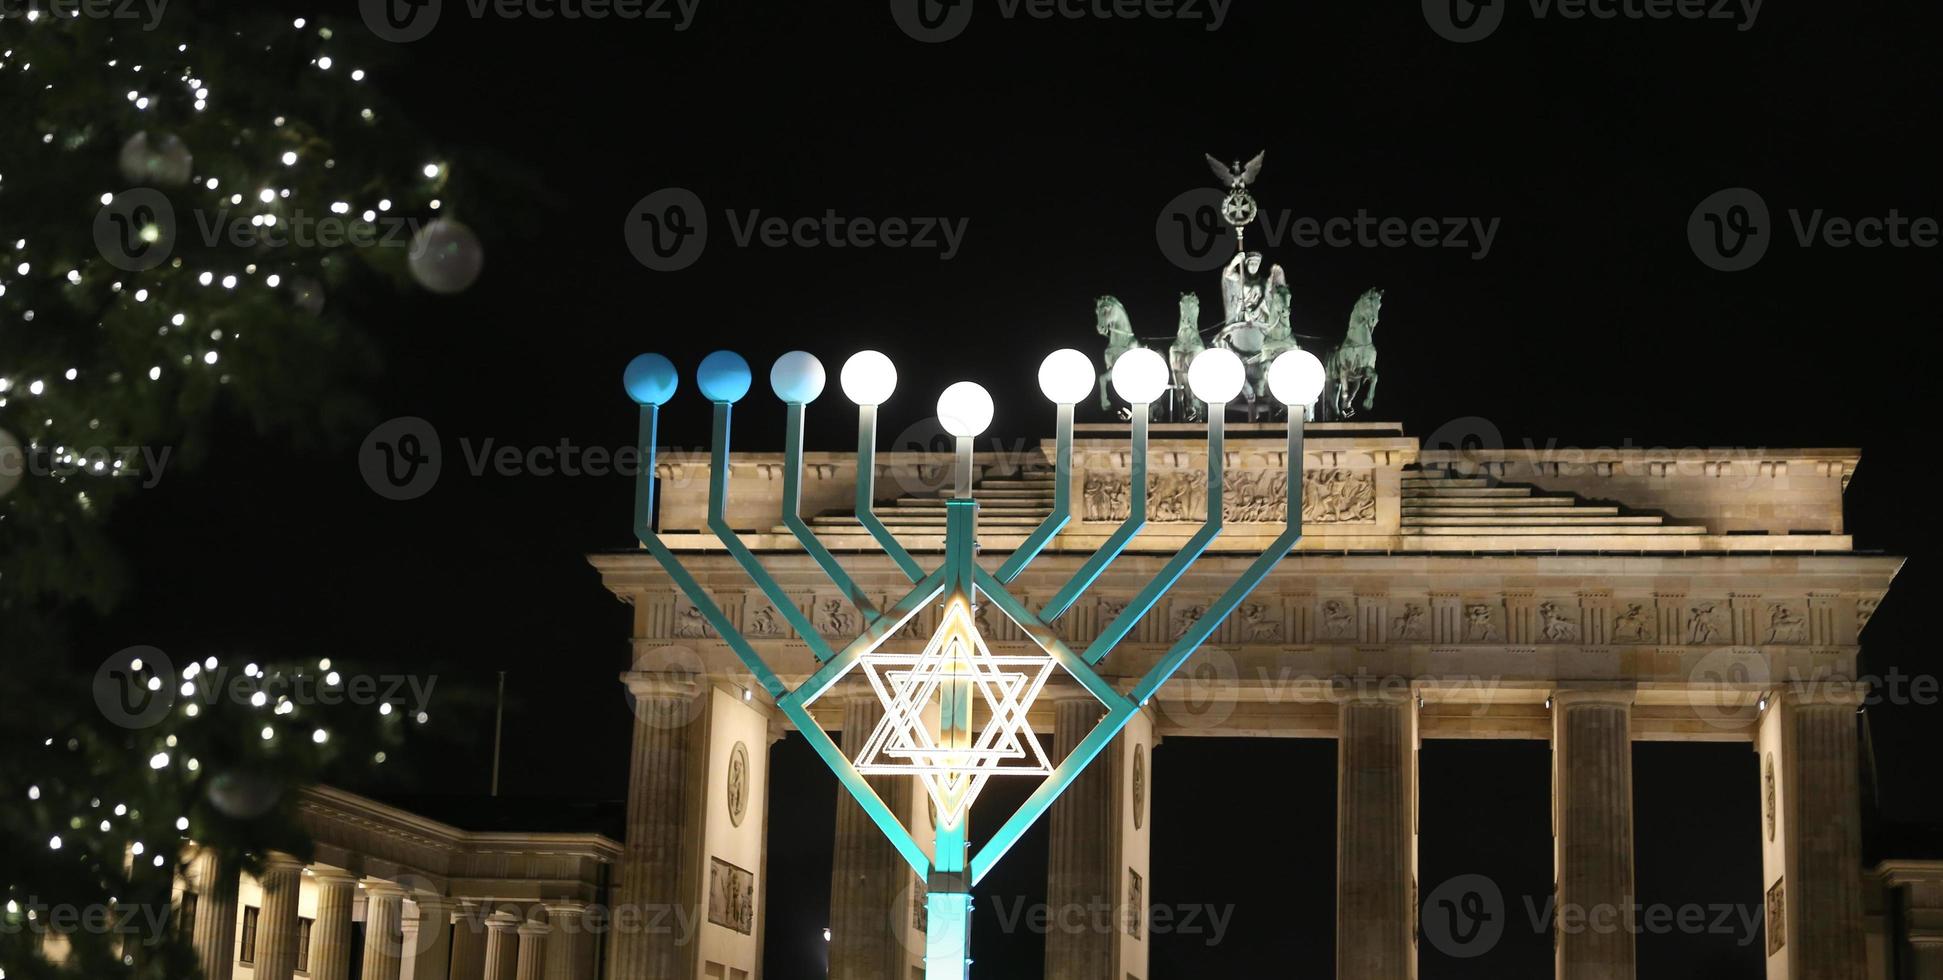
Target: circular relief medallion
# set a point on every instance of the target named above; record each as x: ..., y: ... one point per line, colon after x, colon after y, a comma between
x: 1139, y: 786
x: 738, y: 784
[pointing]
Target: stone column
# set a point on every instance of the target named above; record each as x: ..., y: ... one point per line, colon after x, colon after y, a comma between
x: 868, y: 879
x: 532, y: 951
x: 1376, y: 836
x: 468, y: 942
x: 502, y: 947
x: 428, y: 955
x: 384, y: 940
x: 276, y: 922
x: 569, y: 950
x: 666, y: 728
x: 330, y: 938
x: 1813, y: 856
x: 1592, y: 829
x: 215, y: 925
x: 1083, y: 863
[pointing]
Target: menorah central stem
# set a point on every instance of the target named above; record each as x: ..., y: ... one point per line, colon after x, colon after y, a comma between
x: 948, y: 903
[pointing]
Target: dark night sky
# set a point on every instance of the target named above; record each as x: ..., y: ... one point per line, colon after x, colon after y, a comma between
x: 1591, y: 322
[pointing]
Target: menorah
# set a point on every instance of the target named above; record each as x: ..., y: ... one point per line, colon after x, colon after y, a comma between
x: 955, y: 714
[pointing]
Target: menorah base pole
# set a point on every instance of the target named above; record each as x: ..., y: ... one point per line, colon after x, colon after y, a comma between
x: 947, y: 938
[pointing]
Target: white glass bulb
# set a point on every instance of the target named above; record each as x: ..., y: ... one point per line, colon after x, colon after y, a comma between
x: 1295, y: 377
x: 1066, y: 377
x: 965, y: 409
x: 1139, y: 376
x: 1216, y: 375
x: 868, y: 378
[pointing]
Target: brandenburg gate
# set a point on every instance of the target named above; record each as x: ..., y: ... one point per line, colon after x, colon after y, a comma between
x: 1589, y: 598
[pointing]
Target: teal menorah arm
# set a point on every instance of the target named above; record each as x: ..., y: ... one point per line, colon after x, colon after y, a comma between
x: 1097, y: 563
x: 1121, y: 709
x: 1062, y: 510
x: 718, y: 498
x: 1176, y: 566
x: 873, y: 805
x: 867, y: 494
x: 789, y: 702
x: 645, y: 533
x: 793, y: 517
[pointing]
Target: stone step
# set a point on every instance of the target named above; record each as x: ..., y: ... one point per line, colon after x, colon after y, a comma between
x: 1520, y: 509
x: 1008, y: 490
x: 1470, y: 492
x: 1445, y: 481
x: 1576, y: 529
x: 1548, y: 520
x: 938, y: 503
x: 1425, y: 500
x: 917, y: 523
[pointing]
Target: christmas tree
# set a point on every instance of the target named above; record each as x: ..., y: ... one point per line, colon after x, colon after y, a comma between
x: 187, y: 199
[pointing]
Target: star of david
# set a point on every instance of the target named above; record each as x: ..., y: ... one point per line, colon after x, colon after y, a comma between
x: 912, y: 688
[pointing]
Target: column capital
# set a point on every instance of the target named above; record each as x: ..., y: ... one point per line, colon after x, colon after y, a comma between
x: 279, y: 861
x: 429, y: 904
x: 663, y: 684
x: 1389, y: 689
x: 565, y: 908
x: 1829, y: 693
x: 502, y: 921
x: 530, y: 927
x: 1572, y: 697
x: 380, y: 888
x: 326, y: 875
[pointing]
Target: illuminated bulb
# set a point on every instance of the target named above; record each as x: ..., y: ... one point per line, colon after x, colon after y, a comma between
x: 868, y: 378
x: 259, y: 699
x: 1066, y: 377
x: 159, y: 760
x: 965, y: 409
x: 269, y: 733
x: 1139, y: 376
x: 320, y: 736
x: 182, y: 823
x: 797, y: 378
x: 1216, y: 375
x: 1296, y: 378
x: 289, y: 158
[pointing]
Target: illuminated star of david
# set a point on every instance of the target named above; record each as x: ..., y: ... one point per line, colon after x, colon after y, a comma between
x: 912, y: 687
